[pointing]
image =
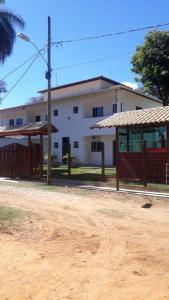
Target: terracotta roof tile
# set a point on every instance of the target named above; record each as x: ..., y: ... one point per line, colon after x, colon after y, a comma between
x: 136, y: 117
x: 26, y: 129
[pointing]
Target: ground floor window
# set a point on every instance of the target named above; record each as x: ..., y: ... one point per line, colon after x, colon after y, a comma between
x: 96, y: 146
x: 155, y: 138
x: 131, y: 139
x: 76, y: 144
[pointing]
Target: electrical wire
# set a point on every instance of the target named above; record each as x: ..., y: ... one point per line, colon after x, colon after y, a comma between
x: 92, y: 61
x: 19, y: 79
x: 109, y: 34
x: 21, y: 65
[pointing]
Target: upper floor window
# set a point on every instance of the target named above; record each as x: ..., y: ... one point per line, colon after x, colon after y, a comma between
x: 98, y: 111
x: 114, y: 108
x: 138, y: 108
x: 121, y: 107
x: 19, y: 121
x: 37, y: 118
x: 55, y: 112
x: 46, y: 118
x: 96, y: 146
x: 75, y: 109
x: 11, y: 122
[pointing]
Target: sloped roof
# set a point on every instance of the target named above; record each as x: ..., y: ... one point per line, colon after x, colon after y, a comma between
x: 136, y: 117
x: 36, y: 128
x: 81, y: 82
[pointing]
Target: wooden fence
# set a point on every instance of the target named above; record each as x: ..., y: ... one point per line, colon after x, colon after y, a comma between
x: 18, y: 161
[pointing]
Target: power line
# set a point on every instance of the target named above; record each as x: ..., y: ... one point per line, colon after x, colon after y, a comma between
x: 80, y: 64
x: 21, y: 65
x: 92, y: 61
x: 109, y: 34
x: 19, y: 79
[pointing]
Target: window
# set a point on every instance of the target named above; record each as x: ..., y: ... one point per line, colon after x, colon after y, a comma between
x: 130, y: 140
x: 75, y: 109
x: 96, y: 146
x: 138, y: 108
x: 19, y: 121
x: 11, y: 122
x: 121, y: 107
x: 56, y: 145
x: 98, y: 111
x: 155, y: 138
x: 37, y: 118
x: 55, y: 112
x: 114, y: 108
x: 76, y: 144
x: 46, y: 118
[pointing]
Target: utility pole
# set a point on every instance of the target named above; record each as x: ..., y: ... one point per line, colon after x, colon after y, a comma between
x: 48, y: 77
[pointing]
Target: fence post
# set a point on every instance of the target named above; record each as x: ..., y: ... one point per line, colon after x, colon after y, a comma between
x: 41, y: 156
x: 69, y: 160
x: 144, y: 164
x: 29, y: 158
x: 117, y: 159
x: 103, y: 161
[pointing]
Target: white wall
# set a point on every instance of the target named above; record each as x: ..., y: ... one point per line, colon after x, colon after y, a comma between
x: 77, y: 126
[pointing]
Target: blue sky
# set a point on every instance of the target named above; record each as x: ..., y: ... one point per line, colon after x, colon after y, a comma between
x: 76, y: 19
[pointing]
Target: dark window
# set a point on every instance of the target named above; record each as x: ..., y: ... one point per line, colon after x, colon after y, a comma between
x: 130, y: 140
x: 56, y: 145
x: 121, y: 107
x: 155, y: 138
x: 96, y: 146
x: 98, y: 111
x: 138, y: 108
x: 11, y: 122
x: 76, y: 144
x: 37, y: 118
x: 19, y: 121
x: 46, y: 118
x: 75, y: 109
x: 114, y: 108
x: 55, y: 112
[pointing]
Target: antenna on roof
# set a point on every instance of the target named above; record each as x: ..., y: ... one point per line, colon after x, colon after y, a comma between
x: 110, y: 71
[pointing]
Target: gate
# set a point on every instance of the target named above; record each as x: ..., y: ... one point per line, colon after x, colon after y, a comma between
x: 20, y: 161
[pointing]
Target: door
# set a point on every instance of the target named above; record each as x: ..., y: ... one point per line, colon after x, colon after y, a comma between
x: 65, y: 147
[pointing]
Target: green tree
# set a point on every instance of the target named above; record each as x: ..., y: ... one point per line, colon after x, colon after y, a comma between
x: 8, y: 21
x: 151, y: 64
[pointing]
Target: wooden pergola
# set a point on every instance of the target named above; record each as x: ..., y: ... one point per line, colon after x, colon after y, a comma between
x: 29, y: 130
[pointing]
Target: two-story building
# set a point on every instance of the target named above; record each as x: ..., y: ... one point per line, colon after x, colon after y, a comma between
x: 75, y: 108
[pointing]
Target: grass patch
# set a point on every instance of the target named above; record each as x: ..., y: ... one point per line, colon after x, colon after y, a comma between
x: 9, y: 218
x: 9, y: 214
x: 81, y: 173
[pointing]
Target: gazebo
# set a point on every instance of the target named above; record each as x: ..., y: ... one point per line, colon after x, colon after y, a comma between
x: 142, y: 144
x: 21, y: 161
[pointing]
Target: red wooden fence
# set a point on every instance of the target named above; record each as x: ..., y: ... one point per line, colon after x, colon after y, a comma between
x: 147, y: 166
x: 20, y: 161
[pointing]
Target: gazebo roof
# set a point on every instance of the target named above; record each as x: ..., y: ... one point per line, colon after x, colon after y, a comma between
x: 136, y: 117
x: 37, y: 128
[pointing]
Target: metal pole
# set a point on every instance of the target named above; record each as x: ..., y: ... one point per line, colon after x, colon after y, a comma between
x: 48, y: 77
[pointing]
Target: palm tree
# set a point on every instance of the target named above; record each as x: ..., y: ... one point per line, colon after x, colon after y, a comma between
x: 8, y: 21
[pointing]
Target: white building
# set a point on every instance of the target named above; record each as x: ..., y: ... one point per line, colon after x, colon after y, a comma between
x: 76, y: 107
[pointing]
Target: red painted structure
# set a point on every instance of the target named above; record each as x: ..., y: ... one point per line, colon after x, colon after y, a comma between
x: 148, y: 165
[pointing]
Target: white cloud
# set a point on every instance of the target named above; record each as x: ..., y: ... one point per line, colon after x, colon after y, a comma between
x: 132, y: 85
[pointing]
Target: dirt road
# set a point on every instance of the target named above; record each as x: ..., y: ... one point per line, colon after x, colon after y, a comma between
x: 84, y: 246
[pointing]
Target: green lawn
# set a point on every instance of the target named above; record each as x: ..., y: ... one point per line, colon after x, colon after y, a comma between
x: 81, y: 173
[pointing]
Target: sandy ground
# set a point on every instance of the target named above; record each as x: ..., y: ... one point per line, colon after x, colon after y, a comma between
x: 78, y: 245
